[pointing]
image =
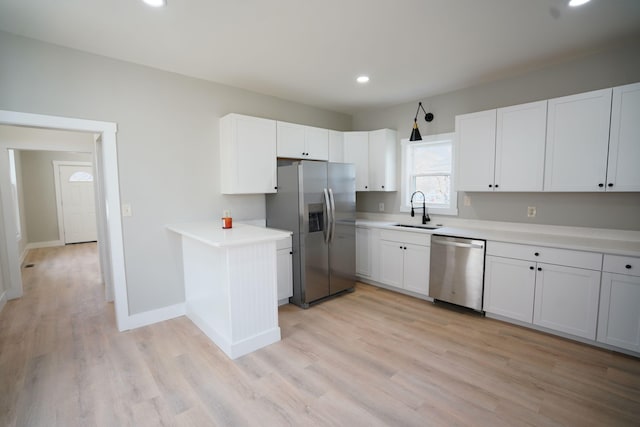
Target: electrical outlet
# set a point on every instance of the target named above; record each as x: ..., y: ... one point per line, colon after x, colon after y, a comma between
x: 126, y: 209
x: 531, y: 211
x: 381, y: 206
x: 467, y: 201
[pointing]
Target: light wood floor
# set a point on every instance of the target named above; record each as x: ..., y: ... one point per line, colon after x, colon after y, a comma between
x: 370, y: 358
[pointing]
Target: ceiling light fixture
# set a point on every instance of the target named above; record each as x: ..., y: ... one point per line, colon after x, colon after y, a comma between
x: 415, y: 133
x: 576, y: 3
x: 155, y: 3
x: 362, y: 79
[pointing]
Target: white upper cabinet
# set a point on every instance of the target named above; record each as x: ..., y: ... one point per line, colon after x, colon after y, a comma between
x: 577, y: 142
x: 374, y: 154
x: 475, y: 148
x: 302, y: 142
x: 503, y: 149
x: 520, y: 142
x: 382, y: 160
x: 336, y: 146
x: 623, y: 172
x: 248, y: 162
x: 356, y: 151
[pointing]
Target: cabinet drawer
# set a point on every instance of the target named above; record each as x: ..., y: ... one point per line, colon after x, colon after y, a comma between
x: 415, y: 238
x: 621, y: 265
x: 567, y: 257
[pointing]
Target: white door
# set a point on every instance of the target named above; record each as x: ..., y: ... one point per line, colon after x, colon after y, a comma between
x: 78, y: 205
x: 416, y: 268
x: 476, y: 148
x: 577, y: 142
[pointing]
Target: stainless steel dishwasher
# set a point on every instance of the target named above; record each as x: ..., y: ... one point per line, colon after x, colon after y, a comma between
x: 456, y: 272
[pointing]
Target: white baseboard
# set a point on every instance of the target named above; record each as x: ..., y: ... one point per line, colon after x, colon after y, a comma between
x: 153, y: 316
x: 49, y: 244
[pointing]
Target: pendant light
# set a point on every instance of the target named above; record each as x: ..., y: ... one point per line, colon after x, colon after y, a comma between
x: 415, y: 133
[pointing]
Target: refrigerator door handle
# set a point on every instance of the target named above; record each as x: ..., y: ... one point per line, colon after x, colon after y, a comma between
x: 332, y: 203
x: 327, y: 216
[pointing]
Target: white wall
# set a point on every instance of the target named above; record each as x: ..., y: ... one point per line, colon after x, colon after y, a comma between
x: 167, y: 145
x: 617, y: 65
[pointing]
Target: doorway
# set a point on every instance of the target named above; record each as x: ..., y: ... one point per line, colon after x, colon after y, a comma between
x: 75, y: 201
x: 110, y: 226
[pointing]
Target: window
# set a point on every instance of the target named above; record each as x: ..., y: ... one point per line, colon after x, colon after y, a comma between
x: 427, y: 166
x: 81, y: 177
x: 13, y: 176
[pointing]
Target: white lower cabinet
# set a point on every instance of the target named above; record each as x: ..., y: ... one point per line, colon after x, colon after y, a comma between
x: 509, y: 288
x: 553, y: 288
x: 404, y: 260
x: 363, y: 252
x: 619, y: 316
x: 284, y: 270
x: 566, y: 299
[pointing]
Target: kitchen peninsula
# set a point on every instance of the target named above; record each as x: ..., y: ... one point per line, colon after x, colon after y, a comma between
x: 230, y: 283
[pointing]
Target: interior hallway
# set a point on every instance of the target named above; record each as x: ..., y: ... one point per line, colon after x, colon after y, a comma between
x: 370, y: 358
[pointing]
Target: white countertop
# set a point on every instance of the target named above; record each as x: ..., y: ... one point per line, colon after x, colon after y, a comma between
x: 212, y: 233
x: 552, y: 236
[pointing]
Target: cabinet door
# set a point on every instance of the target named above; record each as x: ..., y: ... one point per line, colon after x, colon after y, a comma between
x: 577, y: 142
x: 247, y: 155
x: 291, y: 140
x: 391, y: 262
x: 509, y: 287
x: 382, y: 160
x: 363, y: 252
x: 520, y: 141
x: 316, y: 143
x: 285, y: 273
x: 475, y: 151
x: 566, y: 299
x: 336, y: 146
x: 356, y: 151
x: 416, y: 268
x: 619, y: 316
x: 623, y: 172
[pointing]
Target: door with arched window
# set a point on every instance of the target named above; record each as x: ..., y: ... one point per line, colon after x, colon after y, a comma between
x: 78, y: 203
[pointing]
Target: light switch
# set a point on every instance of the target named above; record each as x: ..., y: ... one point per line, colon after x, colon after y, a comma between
x: 126, y: 209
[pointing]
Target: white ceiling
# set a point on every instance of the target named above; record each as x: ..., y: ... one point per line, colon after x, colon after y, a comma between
x: 312, y: 51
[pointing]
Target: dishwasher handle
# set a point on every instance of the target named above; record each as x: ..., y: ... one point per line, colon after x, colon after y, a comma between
x: 457, y: 244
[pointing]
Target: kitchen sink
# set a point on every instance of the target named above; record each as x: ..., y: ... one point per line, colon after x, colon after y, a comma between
x: 423, y: 226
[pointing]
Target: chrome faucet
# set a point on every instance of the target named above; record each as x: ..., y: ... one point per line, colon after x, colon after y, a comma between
x: 425, y: 215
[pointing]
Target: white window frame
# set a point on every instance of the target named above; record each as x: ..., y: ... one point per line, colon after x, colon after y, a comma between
x: 405, y: 174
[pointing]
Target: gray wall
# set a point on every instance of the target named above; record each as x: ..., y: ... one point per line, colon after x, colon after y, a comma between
x: 615, y: 66
x: 39, y: 193
x: 168, y: 145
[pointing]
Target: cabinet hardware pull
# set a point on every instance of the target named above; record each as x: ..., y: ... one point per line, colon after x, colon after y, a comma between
x: 496, y: 185
x: 601, y: 185
x: 610, y: 184
x: 290, y: 252
x: 490, y: 185
x: 539, y: 268
x: 628, y: 266
x: 537, y: 254
x: 531, y: 268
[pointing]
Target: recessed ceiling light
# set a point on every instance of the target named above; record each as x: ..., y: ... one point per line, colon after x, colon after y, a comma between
x: 575, y: 3
x: 362, y: 79
x: 156, y: 3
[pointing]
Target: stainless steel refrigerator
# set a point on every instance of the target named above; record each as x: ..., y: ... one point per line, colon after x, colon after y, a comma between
x: 316, y: 201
